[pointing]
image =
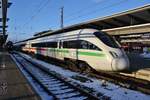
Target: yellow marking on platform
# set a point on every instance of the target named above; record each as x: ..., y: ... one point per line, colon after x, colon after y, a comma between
x: 141, y: 74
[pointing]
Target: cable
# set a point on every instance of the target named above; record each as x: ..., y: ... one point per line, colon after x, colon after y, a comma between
x: 95, y: 11
x: 85, y: 8
x: 35, y: 14
x: 39, y: 5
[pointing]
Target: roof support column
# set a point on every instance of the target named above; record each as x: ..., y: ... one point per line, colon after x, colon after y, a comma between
x: 4, y: 17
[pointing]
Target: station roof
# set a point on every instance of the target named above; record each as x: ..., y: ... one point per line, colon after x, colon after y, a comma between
x: 140, y: 15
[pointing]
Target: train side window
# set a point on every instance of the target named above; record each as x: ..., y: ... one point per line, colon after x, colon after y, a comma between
x: 73, y: 44
x: 34, y: 45
x: 70, y: 44
x: 87, y: 45
x: 51, y: 44
x: 83, y: 44
x: 65, y: 44
x: 22, y: 45
x: 42, y: 44
x: 45, y: 44
x: 80, y: 44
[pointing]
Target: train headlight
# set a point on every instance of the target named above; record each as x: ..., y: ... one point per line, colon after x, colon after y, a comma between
x: 113, y: 54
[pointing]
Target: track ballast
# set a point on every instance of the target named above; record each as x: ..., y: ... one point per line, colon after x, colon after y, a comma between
x: 53, y: 84
x: 116, y: 78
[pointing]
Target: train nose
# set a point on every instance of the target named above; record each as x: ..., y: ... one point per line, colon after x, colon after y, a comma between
x: 120, y: 64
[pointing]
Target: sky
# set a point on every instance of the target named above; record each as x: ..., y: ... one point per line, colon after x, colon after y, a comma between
x: 28, y: 17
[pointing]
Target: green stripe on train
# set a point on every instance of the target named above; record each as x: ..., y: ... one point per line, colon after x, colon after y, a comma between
x: 62, y: 50
x: 149, y: 49
x: 79, y: 52
x: 91, y: 54
x: 58, y: 50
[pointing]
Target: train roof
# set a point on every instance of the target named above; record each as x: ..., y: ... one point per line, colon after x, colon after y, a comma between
x: 48, y: 34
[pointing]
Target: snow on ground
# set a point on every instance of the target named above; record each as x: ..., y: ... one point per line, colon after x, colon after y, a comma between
x: 114, y: 91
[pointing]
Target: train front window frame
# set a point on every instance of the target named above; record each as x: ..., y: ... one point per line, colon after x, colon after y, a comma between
x: 106, y: 39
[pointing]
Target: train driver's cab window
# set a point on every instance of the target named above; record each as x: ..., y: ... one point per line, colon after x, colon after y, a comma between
x: 106, y: 39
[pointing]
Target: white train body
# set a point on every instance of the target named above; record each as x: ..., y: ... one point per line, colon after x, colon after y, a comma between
x: 89, y: 45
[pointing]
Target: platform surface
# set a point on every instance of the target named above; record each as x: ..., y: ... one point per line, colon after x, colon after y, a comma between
x: 138, y: 63
x: 139, y: 67
x: 13, y: 85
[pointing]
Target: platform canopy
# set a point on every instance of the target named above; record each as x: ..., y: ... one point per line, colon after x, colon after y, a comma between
x: 137, y: 16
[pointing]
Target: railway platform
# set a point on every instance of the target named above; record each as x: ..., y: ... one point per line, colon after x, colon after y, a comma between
x: 139, y: 66
x: 13, y: 85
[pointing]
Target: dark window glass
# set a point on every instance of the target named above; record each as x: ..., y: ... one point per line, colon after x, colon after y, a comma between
x: 22, y: 45
x: 80, y: 44
x: 87, y: 45
x: 70, y: 44
x: 83, y: 44
x: 106, y: 39
x: 45, y: 44
x: 51, y: 44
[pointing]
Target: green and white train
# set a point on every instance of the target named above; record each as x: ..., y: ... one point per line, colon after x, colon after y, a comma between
x: 97, y: 49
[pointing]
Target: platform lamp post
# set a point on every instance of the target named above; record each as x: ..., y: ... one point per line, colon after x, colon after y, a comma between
x: 61, y: 17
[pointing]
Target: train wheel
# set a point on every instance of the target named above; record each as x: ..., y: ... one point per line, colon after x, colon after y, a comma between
x: 72, y: 65
x: 84, y: 68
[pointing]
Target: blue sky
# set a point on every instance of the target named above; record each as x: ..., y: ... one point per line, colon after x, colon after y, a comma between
x: 28, y: 17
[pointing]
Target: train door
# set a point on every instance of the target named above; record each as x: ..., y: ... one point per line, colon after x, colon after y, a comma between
x: 59, y: 50
x: 72, y: 49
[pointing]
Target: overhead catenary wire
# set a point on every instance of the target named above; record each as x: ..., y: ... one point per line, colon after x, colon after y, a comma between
x: 84, y: 9
x: 43, y: 5
x: 13, y: 27
x: 95, y: 11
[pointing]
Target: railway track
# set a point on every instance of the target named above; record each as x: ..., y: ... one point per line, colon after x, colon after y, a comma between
x: 53, y: 84
x: 124, y: 81
x: 129, y: 82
